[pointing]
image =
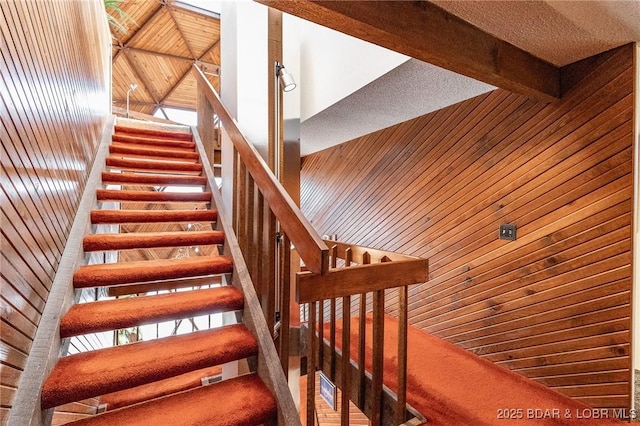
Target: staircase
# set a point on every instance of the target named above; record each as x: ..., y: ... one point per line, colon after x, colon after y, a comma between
x: 141, y: 161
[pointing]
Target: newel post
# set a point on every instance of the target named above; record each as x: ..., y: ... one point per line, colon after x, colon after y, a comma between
x: 206, y: 125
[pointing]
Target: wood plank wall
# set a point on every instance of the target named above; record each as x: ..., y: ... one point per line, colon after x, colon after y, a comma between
x: 554, y: 305
x: 54, y: 94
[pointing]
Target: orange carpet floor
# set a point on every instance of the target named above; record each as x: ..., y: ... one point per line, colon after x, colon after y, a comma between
x: 453, y: 387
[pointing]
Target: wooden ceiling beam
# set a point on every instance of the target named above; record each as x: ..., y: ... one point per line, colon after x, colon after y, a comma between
x: 151, y: 52
x: 426, y: 32
x: 168, y: 55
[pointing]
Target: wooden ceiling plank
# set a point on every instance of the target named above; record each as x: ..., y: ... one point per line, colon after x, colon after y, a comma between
x: 186, y: 40
x: 188, y: 72
x: 426, y: 32
x: 142, y: 77
x: 142, y: 27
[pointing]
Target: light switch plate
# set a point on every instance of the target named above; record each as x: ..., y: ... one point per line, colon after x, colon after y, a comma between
x: 508, y: 231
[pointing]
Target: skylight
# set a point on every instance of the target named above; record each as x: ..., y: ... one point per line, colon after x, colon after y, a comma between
x: 210, y: 5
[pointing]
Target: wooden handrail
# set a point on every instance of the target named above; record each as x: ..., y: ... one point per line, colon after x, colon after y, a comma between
x: 269, y: 367
x: 360, y: 279
x: 312, y: 249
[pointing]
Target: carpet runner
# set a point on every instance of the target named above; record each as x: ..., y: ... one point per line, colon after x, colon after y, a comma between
x: 451, y: 386
x: 158, y: 381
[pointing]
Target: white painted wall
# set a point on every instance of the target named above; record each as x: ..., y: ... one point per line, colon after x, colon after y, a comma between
x: 243, y: 87
x: 332, y: 65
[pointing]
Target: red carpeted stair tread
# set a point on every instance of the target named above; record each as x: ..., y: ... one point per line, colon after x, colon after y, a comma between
x: 152, y: 180
x: 158, y: 389
x: 152, y: 216
x: 98, y: 372
x: 124, y: 149
x: 95, y: 317
x: 152, y: 196
x: 150, y: 270
x: 241, y: 401
x: 140, y: 240
x: 148, y: 141
x: 154, y: 165
x: 153, y: 133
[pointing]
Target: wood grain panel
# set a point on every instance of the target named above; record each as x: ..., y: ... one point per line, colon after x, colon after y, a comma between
x: 554, y: 305
x: 169, y: 40
x: 54, y: 102
x: 170, y: 71
x: 200, y: 31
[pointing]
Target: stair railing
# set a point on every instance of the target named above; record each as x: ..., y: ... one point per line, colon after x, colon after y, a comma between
x: 268, y: 367
x: 355, y: 273
x: 267, y: 223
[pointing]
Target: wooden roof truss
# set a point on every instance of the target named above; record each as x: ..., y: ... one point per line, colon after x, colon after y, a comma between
x: 157, y: 52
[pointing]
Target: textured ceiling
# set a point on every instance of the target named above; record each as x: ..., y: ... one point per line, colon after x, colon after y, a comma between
x: 412, y: 89
x: 559, y: 32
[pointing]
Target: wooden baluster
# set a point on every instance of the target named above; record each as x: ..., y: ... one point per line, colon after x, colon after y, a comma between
x: 285, y: 301
x: 402, y: 354
x: 311, y: 366
x: 332, y: 321
x: 378, y: 354
x: 248, y: 251
x: 362, y: 331
x: 236, y: 190
x: 269, y: 297
x: 346, y: 347
x: 259, y: 258
x: 321, y: 335
x: 242, y: 207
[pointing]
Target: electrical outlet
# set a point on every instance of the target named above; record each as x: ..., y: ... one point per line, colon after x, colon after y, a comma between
x: 508, y: 231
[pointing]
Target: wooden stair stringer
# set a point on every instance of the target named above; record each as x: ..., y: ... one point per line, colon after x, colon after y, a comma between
x: 268, y: 366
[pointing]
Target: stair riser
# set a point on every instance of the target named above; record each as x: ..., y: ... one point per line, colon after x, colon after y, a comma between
x: 162, y: 143
x: 162, y: 166
x: 153, y: 133
x: 143, y: 216
x: 152, y: 153
x: 125, y: 290
x: 157, y: 197
x: 153, y: 180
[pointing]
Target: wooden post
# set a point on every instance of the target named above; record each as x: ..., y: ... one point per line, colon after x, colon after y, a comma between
x: 378, y: 357
x: 311, y: 366
x: 332, y: 322
x: 206, y: 126
x: 346, y: 348
x: 362, y: 334
x: 285, y: 301
x: 402, y: 354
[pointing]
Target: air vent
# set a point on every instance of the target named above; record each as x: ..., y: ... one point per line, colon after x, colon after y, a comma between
x: 209, y: 380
